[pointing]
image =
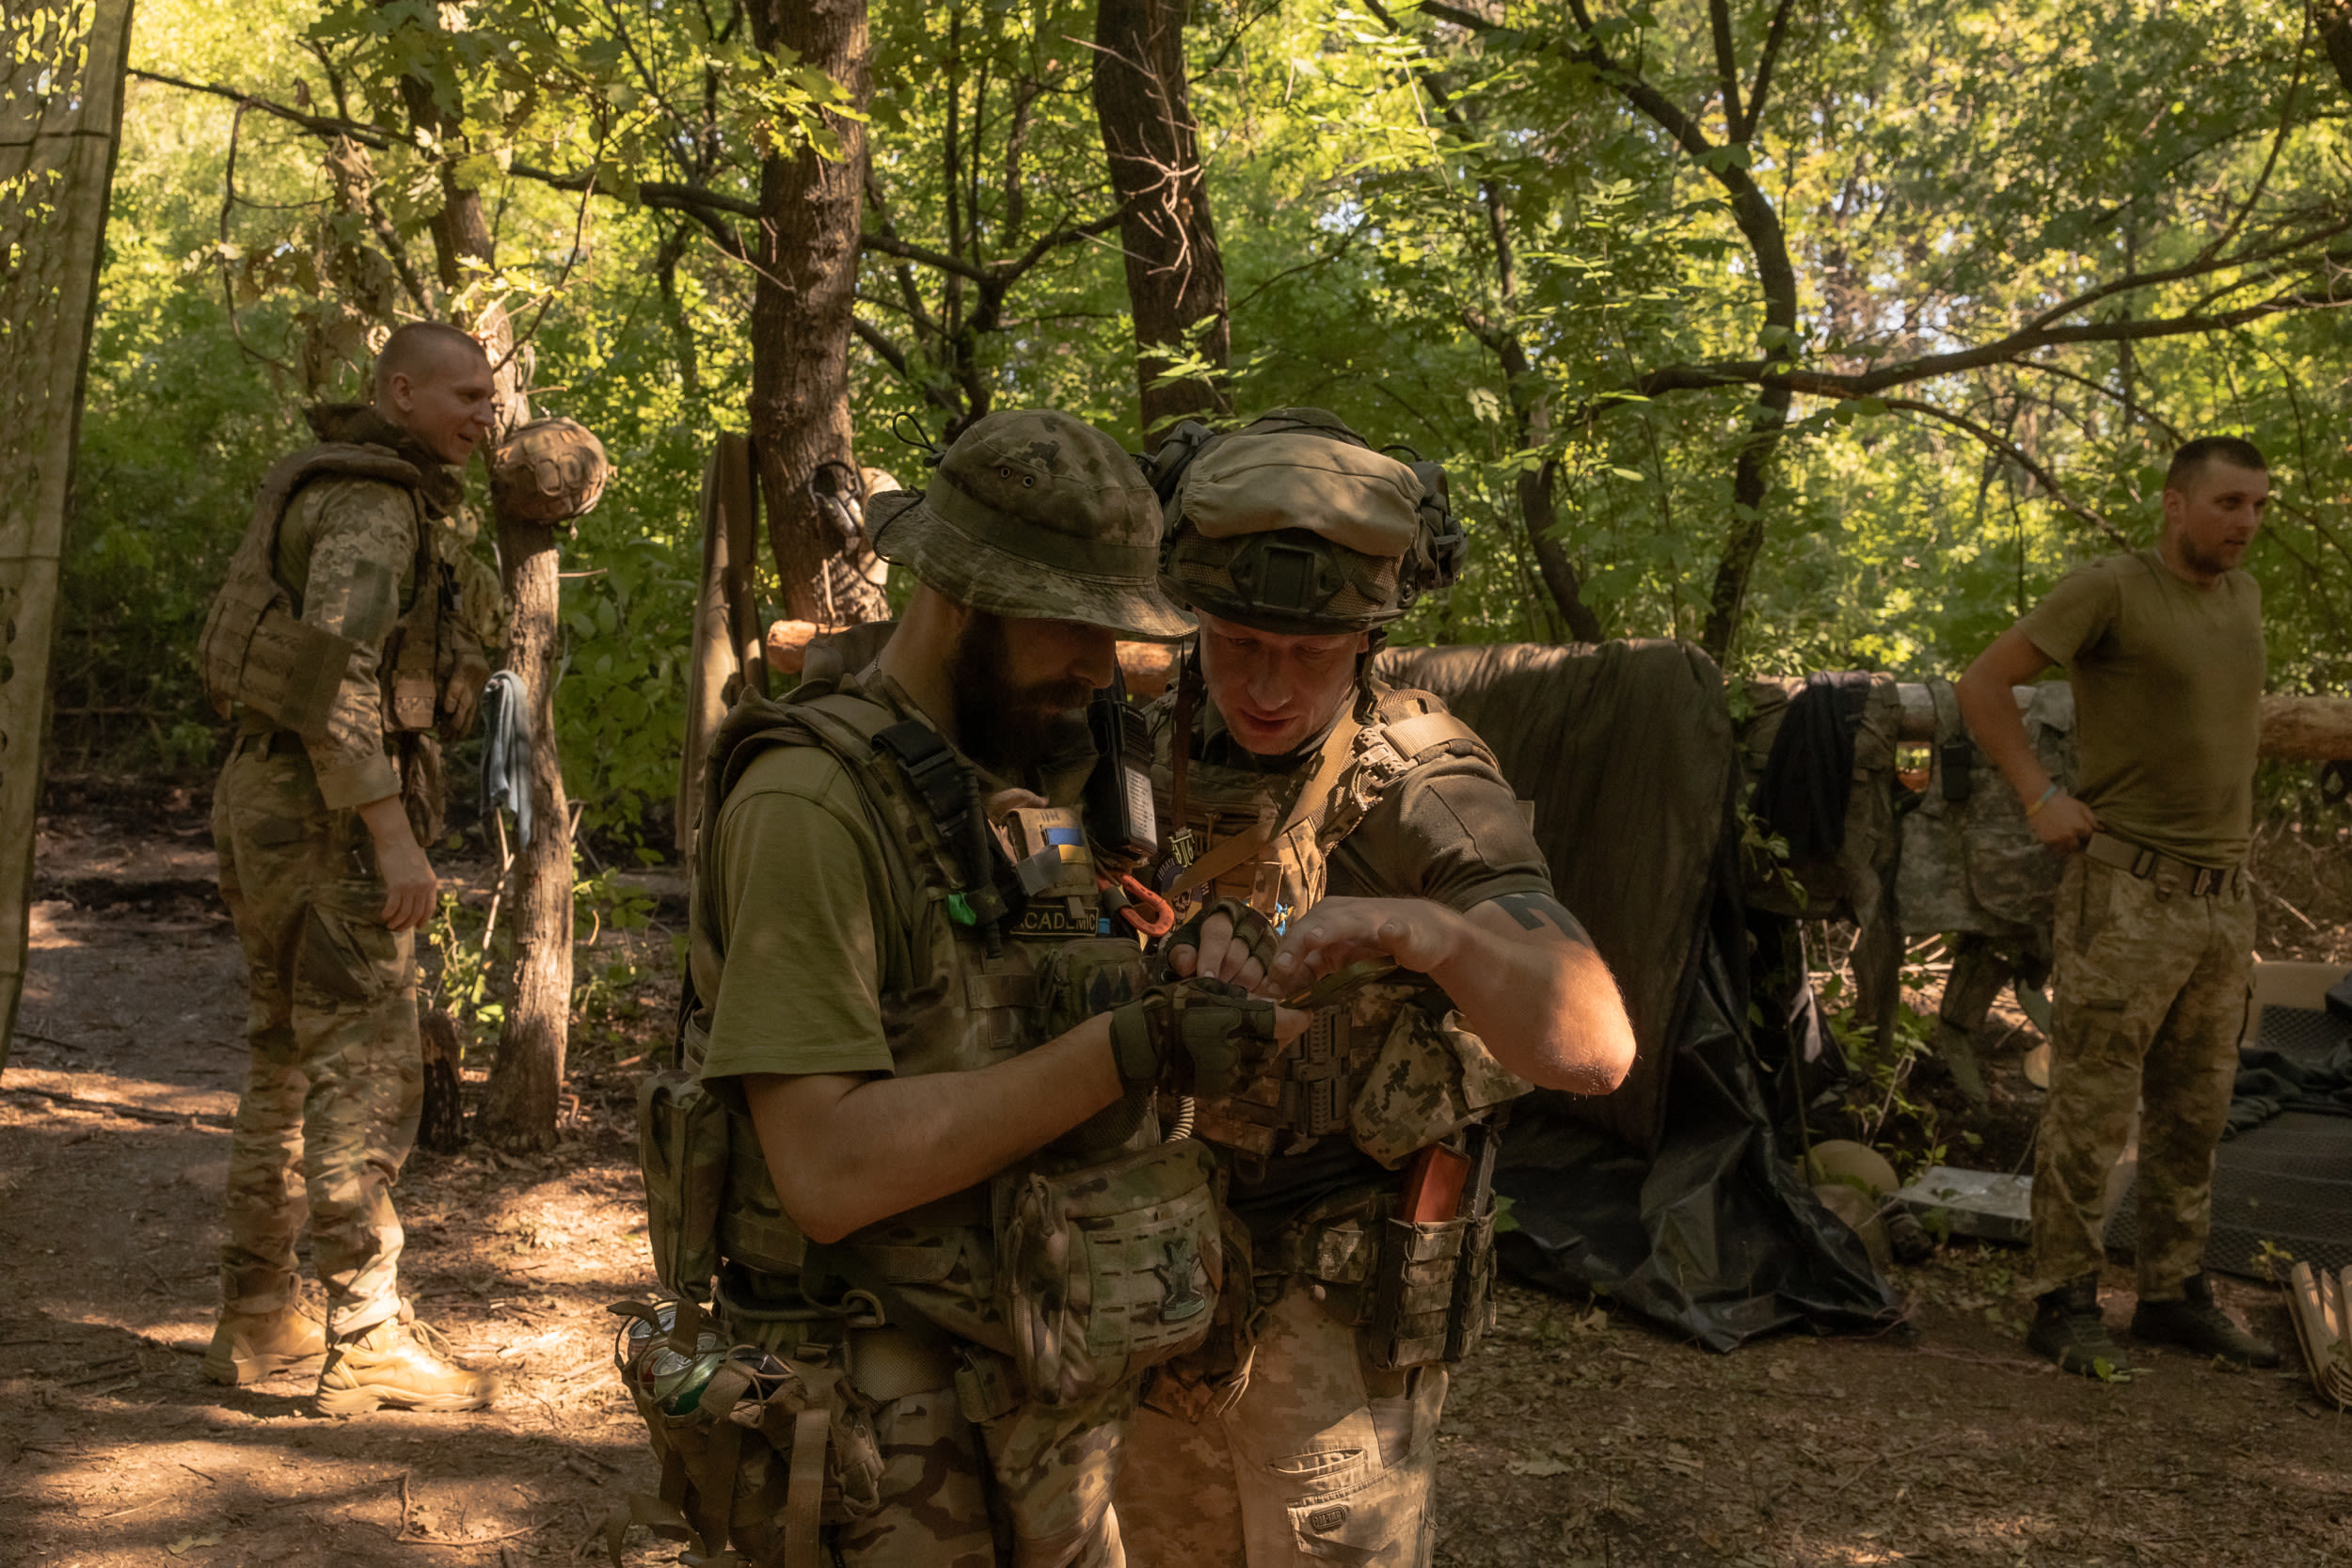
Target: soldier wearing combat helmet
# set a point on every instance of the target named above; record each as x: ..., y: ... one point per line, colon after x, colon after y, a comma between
x: 920, y: 1057
x: 1417, y: 921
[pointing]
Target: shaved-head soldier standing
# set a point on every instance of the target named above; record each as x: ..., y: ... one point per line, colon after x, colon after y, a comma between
x: 340, y: 645
x: 2155, y: 926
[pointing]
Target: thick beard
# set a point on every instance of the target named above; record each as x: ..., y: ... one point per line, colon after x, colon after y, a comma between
x: 1007, y: 729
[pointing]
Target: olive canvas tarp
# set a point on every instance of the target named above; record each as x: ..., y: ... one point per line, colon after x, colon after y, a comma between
x: 1672, y: 1195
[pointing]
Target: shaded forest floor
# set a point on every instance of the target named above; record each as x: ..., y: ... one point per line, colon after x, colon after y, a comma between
x: 1576, y: 1437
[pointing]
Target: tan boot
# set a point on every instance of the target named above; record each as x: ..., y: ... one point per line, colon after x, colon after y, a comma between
x: 249, y: 1346
x: 390, y: 1365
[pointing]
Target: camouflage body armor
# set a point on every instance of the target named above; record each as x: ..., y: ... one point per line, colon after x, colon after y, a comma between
x: 257, y: 653
x: 1265, y: 839
x: 1061, y: 1279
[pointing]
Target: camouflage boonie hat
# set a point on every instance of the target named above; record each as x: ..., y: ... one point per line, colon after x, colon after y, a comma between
x: 547, y: 471
x: 1035, y: 514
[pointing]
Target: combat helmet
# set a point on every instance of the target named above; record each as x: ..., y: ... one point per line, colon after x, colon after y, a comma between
x: 1294, y: 525
x: 547, y: 471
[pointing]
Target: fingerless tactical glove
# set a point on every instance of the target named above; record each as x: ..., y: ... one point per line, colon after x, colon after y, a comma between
x: 1200, y: 1030
x: 1251, y: 928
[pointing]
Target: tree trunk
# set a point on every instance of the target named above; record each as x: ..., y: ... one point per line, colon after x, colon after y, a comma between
x: 1175, y: 276
x: 806, y: 258
x: 518, y: 1111
x: 1750, y: 480
x: 1539, y: 511
x: 527, y: 1076
x: 60, y: 127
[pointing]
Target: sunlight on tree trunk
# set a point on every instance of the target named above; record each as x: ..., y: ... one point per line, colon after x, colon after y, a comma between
x: 806, y: 255
x: 518, y: 1111
x: 1175, y: 276
x: 60, y: 123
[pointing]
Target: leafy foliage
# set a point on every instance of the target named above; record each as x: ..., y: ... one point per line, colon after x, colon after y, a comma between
x: 2027, y: 247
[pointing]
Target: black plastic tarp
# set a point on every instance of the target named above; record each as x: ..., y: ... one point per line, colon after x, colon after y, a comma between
x: 1673, y: 1196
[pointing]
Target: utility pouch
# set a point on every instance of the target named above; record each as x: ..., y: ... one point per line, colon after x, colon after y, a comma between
x: 1431, y: 1078
x: 756, y: 1452
x: 1107, y: 1270
x: 1089, y: 976
x: 1209, y: 1379
x: 682, y: 1150
x: 1432, y: 1287
x: 256, y: 651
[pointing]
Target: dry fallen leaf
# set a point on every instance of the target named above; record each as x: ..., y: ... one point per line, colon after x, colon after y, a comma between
x: 1539, y: 1465
x: 188, y: 1544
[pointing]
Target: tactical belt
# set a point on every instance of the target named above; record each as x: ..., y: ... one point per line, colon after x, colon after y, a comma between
x: 266, y: 743
x: 2202, y: 881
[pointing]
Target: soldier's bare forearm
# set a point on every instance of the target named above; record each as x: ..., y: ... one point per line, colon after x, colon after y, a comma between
x: 846, y: 1151
x: 1532, y: 986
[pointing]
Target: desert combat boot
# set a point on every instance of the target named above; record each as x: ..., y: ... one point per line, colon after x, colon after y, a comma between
x: 2067, y: 1329
x: 390, y: 1365
x: 2195, y: 1323
x: 249, y: 1346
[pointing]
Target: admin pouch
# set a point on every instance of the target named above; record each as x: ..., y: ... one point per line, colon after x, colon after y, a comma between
x: 758, y: 1452
x: 1107, y: 1270
x: 1431, y: 1079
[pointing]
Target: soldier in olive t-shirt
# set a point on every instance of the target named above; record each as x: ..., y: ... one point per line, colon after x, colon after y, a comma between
x: 2168, y: 690
x: 2163, y: 647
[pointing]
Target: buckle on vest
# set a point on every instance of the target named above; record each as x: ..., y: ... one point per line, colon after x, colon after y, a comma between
x: 929, y: 764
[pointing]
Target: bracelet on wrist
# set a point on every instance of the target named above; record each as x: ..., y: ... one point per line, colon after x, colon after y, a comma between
x: 2043, y: 801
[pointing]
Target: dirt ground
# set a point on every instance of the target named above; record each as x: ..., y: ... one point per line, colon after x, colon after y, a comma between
x: 1576, y: 1437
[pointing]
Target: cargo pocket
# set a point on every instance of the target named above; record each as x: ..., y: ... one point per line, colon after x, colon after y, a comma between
x: 344, y: 958
x: 1368, y: 1522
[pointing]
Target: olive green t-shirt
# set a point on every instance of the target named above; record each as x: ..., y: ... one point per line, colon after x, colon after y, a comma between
x: 809, y: 936
x: 800, y: 900
x: 2168, y: 683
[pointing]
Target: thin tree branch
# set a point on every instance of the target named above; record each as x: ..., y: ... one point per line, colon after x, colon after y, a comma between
x: 663, y: 194
x: 2286, y: 124
x: 1764, y: 62
x: 1726, y: 69
x: 1994, y: 442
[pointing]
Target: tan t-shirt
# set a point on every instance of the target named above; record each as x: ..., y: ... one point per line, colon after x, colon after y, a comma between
x: 2168, y: 683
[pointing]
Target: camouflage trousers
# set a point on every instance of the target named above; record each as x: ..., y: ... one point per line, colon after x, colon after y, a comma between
x: 2151, y: 988
x: 1322, y: 1458
x: 1030, y: 1488
x: 337, y: 1076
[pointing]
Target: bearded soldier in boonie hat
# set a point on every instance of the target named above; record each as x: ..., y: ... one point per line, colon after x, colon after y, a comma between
x: 1418, y: 920
x: 919, y: 1049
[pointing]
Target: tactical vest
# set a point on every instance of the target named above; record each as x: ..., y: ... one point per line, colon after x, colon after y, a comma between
x: 256, y: 651
x: 1374, y: 1064
x: 956, y: 999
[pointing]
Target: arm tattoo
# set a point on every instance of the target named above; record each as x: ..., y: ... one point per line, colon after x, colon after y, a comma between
x: 1535, y: 910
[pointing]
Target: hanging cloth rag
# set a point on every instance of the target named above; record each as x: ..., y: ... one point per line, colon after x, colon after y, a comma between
x: 1809, y: 775
x: 506, y: 750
